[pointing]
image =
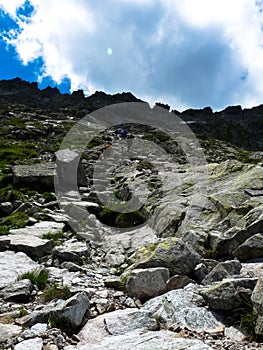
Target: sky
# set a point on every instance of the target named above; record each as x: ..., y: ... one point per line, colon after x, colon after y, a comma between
x: 186, y: 53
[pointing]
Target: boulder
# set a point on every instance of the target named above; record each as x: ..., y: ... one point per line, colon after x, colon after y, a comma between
x: 8, y: 330
x: 183, y: 308
x: 172, y: 253
x: 178, y: 282
x: 39, y: 176
x: 18, y: 292
x: 161, y: 340
x: 69, y: 314
x: 249, y: 225
x: 130, y: 329
x: 224, y: 295
x: 32, y: 246
x: 72, y: 250
x: 252, y: 248
x: 69, y: 171
x: 147, y: 283
x: 222, y: 270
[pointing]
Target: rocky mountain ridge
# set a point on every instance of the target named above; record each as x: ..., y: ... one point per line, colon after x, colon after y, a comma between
x: 241, y: 127
x: 69, y: 281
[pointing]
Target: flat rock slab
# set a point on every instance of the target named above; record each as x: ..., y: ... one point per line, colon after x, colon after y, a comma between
x: 35, y: 343
x: 40, y: 228
x: 151, y: 340
x: 32, y: 246
x: 38, y: 176
x: 8, y: 330
x: 128, y: 330
x: 14, y: 264
x: 184, y: 308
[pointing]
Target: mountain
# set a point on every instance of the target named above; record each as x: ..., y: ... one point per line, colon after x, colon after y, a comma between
x: 155, y: 243
x: 241, y: 127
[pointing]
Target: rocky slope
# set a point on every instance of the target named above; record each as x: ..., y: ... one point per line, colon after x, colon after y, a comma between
x: 184, y: 270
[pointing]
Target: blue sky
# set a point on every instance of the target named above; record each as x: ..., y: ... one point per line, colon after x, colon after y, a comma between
x: 187, y: 53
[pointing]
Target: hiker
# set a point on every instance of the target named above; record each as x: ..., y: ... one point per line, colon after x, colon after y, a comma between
x: 120, y: 133
x: 107, y: 150
x: 129, y: 141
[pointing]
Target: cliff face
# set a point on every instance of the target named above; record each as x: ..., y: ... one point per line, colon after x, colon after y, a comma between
x: 241, y: 127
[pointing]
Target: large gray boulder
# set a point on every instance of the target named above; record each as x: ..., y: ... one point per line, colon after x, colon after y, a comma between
x: 40, y: 228
x: 130, y: 329
x: 8, y: 330
x: 224, y: 295
x: 172, y: 253
x: 70, y: 313
x: 247, y: 226
x: 147, y: 283
x: 252, y: 248
x: 34, y: 343
x: 222, y: 270
x: 183, y: 308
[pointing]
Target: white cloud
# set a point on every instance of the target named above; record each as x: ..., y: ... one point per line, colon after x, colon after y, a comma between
x: 10, y: 6
x: 186, y: 53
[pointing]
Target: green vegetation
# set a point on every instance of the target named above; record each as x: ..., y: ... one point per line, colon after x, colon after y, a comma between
x: 247, y: 318
x: 38, y: 278
x: 49, y: 196
x: 9, y: 193
x: 56, y: 236
x: 16, y: 121
x: 12, y: 153
x: 144, y: 165
x: 56, y: 292
x: 15, y: 220
x: 96, y: 141
x: 22, y: 312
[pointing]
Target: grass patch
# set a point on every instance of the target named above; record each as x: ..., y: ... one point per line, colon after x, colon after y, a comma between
x: 37, y: 278
x: 56, y: 292
x: 49, y: 196
x: 11, y: 154
x: 56, y: 236
x: 22, y: 312
x: 247, y: 318
x: 16, y: 220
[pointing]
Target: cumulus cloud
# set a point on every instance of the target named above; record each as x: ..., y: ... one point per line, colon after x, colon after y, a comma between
x: 186, y: 53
